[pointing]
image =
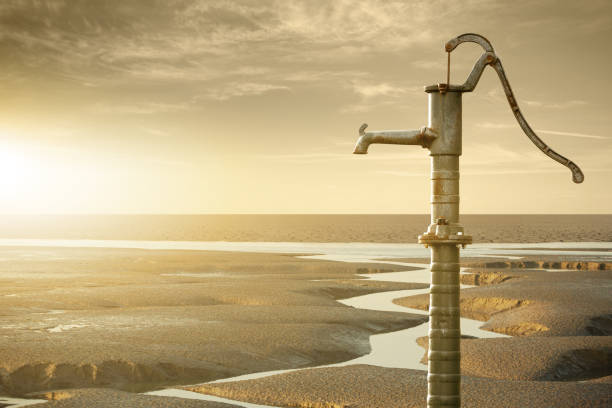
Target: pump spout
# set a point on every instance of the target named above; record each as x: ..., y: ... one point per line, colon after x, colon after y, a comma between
x: 422, y: 137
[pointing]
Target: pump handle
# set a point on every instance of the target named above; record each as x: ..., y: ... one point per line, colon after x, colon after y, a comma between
x: 489, y: 58
x: 469, y: 37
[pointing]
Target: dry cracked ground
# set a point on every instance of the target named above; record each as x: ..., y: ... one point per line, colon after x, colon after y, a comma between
x: 88, y: 327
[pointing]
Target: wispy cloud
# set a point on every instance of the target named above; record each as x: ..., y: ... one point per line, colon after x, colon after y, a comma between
x: 572, y: 134
x: 147, y: 108
x: 483, y: 172
x: 496, y: 94
x: 154, y: 131
x: 373, y: 95
x: 176, y: 40
x: 374, y: 90
x: 491, y: 125
x: 556, y: 105
x: 366, y: 106
x: 237, y: 89
x: 316, y: 157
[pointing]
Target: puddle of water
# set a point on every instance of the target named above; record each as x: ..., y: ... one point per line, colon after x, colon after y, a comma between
x: 397, y: 349
x: 65, y: 327
x: 19, y: 402
x: 197, y: 275
x: 383, y: 301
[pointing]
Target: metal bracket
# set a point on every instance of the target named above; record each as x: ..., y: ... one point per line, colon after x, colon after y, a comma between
x: 444, y: 233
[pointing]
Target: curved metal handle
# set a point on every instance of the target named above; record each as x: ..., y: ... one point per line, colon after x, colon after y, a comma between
x: 469, y: 37
x: 577, y: 175
x: 489, y: 58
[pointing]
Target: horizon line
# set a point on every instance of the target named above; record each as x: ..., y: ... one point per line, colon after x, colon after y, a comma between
x: 272, y: 214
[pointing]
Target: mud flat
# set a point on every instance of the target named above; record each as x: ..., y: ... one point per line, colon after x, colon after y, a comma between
x: 138, y: 320
x: 374, y: 387
x: 559, y: 356
x: 107, y: 398
x: 537, y: 302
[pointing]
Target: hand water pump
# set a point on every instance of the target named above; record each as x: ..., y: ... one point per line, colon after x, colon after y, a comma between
x: 442, y: 136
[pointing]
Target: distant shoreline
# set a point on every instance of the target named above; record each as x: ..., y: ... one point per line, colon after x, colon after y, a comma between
x: 383, y: 228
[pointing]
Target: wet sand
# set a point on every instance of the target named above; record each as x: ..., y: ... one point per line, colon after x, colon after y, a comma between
x: 107, y: 398
x: 374, y: 387
x: 524, y: 302
x: 138, y: 320
x: 559, y: 356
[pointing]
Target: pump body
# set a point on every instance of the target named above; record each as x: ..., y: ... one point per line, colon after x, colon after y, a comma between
x: 445, y: 235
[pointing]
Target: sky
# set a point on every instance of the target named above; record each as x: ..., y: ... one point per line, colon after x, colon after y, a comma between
x: 172, y: 106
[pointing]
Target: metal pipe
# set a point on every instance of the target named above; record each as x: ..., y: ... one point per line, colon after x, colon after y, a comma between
x: 444, y: 236
x: 422, y: 137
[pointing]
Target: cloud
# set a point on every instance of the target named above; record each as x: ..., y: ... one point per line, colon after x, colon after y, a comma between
x: 347, y: 154
x: 147, y: 108
x: 400, y: 173
x: 572, y: 134
x: 237, y: 89
x: 556, y: 105
x: 367, y: 105
x: 374, y: 95
x: 484, y: 172
x: 490, y: 125
x: 373, y: 90
x: 156, y: 39
x: 154, y: 131
x: 187, y: 41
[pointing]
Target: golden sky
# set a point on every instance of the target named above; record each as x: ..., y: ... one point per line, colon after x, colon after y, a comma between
x: 145, y: 106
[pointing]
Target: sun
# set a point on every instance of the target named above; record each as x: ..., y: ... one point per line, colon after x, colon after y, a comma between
x: 14, y: 168
x: 20, y: 173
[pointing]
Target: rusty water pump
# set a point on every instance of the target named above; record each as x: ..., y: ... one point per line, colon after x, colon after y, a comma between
x: 442, y: 136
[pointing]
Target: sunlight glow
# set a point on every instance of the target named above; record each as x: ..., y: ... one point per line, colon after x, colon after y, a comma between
x: 18, y: 170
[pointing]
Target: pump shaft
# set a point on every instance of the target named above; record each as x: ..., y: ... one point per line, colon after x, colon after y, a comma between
x: 444, y: 236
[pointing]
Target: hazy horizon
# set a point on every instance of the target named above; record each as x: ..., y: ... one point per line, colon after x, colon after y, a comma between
x: 278, y: 213
x: 303, y: 227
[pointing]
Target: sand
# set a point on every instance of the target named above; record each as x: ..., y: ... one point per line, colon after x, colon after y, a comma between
x: 560, y: 355
x: 139, y: 320
x: 536, y: 302
x: 574, y: 358
x: 136, y: 320
x: 561, y: 322
x: 363, y: 386
x: 107, y: 398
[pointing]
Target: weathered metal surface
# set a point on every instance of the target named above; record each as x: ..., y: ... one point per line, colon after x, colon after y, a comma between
x: 489, y: 58
x: 422, y: 137
x: 469, y: 37
x: 577, y: 175
x: 445, y: 235
x: 445, y: 117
